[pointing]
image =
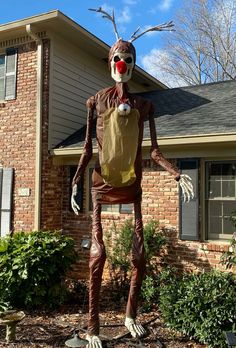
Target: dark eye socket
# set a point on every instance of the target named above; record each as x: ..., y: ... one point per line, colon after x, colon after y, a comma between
x: 128, y: 60
x: 116, y: 59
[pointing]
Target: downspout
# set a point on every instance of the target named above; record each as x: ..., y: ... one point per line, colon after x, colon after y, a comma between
x: 38, y: 153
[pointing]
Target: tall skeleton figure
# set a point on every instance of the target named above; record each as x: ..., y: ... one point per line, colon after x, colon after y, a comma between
x: 117, y: 174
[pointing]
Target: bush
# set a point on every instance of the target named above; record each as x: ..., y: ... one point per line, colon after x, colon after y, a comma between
x: 201, y: 306
x: 32, y: 268
x: 118, y: 245
x: 149, y: 292
x: 228, y: 258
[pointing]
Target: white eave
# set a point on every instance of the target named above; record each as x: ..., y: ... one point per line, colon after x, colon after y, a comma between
x: 165, y: 142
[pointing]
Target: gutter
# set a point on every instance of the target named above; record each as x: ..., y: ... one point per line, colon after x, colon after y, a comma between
x: 38, y: 153
x: 205, y: 139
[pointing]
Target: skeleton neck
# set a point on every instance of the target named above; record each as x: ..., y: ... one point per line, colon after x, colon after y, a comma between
x: 122, y: 91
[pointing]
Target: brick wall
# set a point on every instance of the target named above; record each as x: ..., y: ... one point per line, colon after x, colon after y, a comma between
x: 17, y: 133
x: 160, y: 202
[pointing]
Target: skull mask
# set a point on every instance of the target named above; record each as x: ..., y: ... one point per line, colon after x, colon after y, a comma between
x: 122, y: 60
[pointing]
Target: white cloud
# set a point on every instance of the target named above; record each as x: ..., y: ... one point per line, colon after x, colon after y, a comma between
x: 130, y: 2
x: 152, y: 63
x: 124, y: 16
x: 165, y: 5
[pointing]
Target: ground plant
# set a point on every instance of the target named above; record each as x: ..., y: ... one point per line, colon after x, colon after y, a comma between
x: 202, y: 306
x: 229, y: 257
x: 118, y: 247
x: 33, y: 267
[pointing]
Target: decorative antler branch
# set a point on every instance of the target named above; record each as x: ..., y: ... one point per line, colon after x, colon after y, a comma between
x: 108, y: 16
x: 161, y: 27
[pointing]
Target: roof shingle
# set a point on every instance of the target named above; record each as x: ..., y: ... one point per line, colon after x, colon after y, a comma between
x: 194, y: 110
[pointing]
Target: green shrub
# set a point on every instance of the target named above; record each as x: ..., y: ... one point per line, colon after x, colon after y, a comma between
x: 149, y: 292
x: 3, y: 306
x: 201, y: 306
x: 228, y: 258
x: 32, y: 268
x: 118, y: 245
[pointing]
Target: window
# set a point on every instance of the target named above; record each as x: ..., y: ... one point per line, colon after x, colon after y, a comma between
x: 220, y: 198
x: 8, y: 74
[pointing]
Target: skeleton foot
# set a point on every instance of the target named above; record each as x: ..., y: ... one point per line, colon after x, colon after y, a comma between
x: 94, y: 341
x: 136, y: 330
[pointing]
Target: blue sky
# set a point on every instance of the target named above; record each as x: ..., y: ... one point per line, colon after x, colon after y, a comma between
x: 130, y: 14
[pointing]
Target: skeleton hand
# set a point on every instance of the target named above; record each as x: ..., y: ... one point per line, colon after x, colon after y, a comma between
x: 136, y: 330
x: 94, y: 341
x: 187, y: 187
x: 74, y: 205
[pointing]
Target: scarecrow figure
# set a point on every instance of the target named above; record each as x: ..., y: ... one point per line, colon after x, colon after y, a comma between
x: 117, y: 175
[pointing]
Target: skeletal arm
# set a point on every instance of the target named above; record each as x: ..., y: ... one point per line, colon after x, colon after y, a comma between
x: 85, y: 158
x: 185, y: 181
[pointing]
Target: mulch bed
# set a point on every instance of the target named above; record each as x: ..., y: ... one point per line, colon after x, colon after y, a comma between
x: 52, y: 329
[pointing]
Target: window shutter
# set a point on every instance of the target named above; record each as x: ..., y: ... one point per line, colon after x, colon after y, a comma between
x: 2, y: 77
x: 188, y: 219
x: 10, y: 79
x: 6, y: 179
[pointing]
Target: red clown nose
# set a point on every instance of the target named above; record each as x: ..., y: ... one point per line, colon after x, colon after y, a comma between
x: 121, y: 67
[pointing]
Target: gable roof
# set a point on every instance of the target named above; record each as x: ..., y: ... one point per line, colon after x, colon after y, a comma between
x: 208, y: 109
x: 204, y: 109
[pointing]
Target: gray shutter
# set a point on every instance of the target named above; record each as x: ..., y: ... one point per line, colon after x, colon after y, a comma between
x: 6, y: 176
x: 2, y: 77
x: 189, y: 224
x: 10, y: 78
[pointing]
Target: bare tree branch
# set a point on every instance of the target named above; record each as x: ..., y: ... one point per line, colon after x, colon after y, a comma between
x: 108, y: 16
x: 203, y: 47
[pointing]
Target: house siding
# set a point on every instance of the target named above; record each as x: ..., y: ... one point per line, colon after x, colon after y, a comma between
x: 17, y: 133
x: 75, y: 76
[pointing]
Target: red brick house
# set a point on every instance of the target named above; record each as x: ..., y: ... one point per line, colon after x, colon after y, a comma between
x: 49, y: 66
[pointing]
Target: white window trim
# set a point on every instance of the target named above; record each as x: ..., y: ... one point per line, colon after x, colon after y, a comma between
x: 203, y: 200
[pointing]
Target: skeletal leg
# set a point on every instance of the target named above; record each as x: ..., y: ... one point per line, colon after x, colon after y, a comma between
x: 138, y: 270
x: 96, y: 264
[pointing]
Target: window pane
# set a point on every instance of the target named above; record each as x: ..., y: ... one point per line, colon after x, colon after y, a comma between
x: 215, y: 171
x: 228, y: 171
x: 228, y: 227
x: 215, y: 225
x: 2, y: 66
x: 215, y: 208
x: 111, y: 208
x: 126, y: 208
x: 214, y: 189
x: 11, y: 62
x: 229, y: 207
x: 228, y: 188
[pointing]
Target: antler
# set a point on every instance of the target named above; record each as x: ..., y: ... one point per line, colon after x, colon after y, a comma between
x: 161, y: 27
x: 111, y: 18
